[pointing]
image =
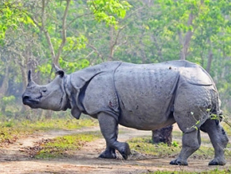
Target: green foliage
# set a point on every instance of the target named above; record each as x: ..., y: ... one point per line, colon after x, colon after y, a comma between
x: 9, y: 123
x: 147, y: 32
x: 45, y: 69
x: 175, y: 144
x: 12, y: 13
x: 109, y: 11
x: 73, y: 66
x: 8, y: 99
x: 75, y: 43
x: 7, y: 105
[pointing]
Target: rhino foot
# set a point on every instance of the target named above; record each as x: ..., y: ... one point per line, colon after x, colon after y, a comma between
x: 124, y: 150
x: 109, y: 154
x: 179, y: 162
x: 217, y: 161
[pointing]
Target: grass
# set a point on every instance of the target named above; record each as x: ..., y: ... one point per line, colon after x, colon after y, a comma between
x: 215, y: 171
x: 177, y: 134
x: 63, y: 146
x: 11, y: 130
x: 144, y: 145
x: 227, y: 128
x: 51, y: 124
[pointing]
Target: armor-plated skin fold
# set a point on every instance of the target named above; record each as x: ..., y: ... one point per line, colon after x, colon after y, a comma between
x: 141, y: 96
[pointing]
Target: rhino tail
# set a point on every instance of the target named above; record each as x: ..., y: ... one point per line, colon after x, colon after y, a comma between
x: 215, y: 111
x: 198, y: 124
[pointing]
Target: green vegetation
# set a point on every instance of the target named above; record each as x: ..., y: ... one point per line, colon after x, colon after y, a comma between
x: 109, y: 11
x: 11, y: 130
x: 11, y: 15
x: 227, y: 128
x: 145, y: 146
x: 76, y: 34
x: 68, y: 124
x: 63, y: 146
x: 215, y: 171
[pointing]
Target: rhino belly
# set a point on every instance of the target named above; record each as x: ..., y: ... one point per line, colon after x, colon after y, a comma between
x: 147, y: 122
x: 146, y: 96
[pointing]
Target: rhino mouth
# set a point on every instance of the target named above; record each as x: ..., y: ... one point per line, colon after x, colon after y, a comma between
x: 29, y: 101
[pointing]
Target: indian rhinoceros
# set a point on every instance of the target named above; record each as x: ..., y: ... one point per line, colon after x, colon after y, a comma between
x: 141, y: 96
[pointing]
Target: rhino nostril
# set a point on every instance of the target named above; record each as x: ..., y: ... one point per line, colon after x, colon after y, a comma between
x: 25, y: 98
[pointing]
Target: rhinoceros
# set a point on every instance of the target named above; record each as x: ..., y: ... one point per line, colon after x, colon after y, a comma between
x: 140, y: 96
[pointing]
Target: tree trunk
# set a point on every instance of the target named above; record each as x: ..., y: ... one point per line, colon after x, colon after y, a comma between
x: 24, y: 79
x: 5, y: 83
x: 4, y: 87
x: 185, y: 42
x: 163, y: 135
x: 111, y: 44
x: 210, y: 58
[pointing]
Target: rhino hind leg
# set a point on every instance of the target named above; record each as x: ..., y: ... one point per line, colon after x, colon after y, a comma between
x: 109, y: 130
x: 190, y: 143
x: 218, y: 139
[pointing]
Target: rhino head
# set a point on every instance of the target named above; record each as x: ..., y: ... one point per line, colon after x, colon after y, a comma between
x: 51, y: 96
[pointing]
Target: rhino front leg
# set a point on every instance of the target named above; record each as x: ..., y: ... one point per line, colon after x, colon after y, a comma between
x: 190, y: 143
x: 109, y: 129
x: 108, y: 153
x: 218, y: 138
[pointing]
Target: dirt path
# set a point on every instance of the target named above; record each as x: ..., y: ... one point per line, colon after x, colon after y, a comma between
x: 14, y: 160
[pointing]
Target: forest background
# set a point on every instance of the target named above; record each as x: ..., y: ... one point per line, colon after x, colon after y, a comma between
x: 76, y: 33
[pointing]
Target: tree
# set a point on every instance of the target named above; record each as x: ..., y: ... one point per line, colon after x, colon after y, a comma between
x: 193, y: 21
x: 81, y: 33
x: 12, y: 13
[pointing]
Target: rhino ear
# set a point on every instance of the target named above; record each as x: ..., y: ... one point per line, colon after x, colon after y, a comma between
x: 60, y: 73
x: 58, y: 70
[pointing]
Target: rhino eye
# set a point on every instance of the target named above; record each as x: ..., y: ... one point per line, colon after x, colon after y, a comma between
x: 44, y: 90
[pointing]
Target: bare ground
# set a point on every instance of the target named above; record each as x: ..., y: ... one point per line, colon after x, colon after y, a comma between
x: 13, y: 158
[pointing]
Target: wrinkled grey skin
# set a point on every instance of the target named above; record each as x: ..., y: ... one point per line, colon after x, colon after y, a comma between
x: 145, y: 97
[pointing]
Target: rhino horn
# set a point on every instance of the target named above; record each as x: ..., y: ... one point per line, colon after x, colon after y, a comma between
x: 29, y: 76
